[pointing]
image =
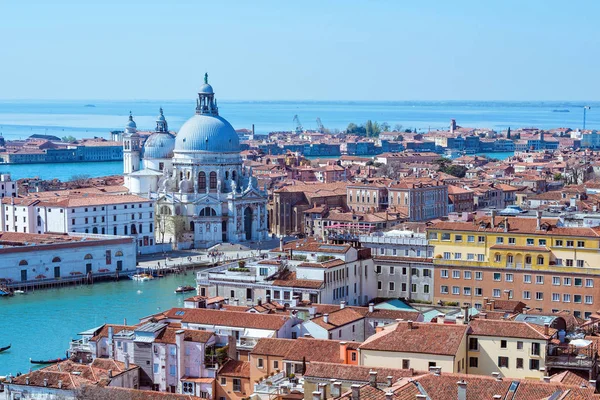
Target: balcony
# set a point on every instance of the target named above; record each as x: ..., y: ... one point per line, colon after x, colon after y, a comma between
x: 566, y: 356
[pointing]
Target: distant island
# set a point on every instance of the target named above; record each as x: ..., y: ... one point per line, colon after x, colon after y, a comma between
x: 89, y: 105
x: 561, y: 111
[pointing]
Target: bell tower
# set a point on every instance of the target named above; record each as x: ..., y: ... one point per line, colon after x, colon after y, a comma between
x: 131, y: 147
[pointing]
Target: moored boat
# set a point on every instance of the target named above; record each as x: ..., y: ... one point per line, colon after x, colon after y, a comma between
x: 141, y: 277
x: 54, y: 361
x: 184, y: 289
x: 4, y: 348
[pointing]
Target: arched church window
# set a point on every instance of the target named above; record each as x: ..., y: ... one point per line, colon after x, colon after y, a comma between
x: 226, y: 175
x: 161, y: 166
x: 233, y: 175
x: 188, y: 175
x: 202, y: 181
x: 213, y: 180
x: 208, y: 212
x: 133, y: 229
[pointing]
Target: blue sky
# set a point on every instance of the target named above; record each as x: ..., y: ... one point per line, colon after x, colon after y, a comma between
x: 310, y: 50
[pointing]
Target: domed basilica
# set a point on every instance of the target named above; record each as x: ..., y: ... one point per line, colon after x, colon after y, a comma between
x: 204, y: 195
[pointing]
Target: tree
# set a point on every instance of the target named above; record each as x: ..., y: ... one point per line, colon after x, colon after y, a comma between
x: 69, y: 139
x: 398, y: 128
x: 385, y: 127
x: 372, y: 129
x: 557, y: 176
x: 79, y: 180
x: 176, y: 227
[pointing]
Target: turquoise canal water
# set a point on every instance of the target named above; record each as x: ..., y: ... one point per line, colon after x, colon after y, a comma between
x: 40, y: 325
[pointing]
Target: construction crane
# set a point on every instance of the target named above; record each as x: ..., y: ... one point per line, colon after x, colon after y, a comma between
x: 320, y: 126
x: 299, y: 129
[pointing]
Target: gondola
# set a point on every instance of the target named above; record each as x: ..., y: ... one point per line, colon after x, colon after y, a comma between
x: 56, y: 360
x: 4, y: 348
x: 184, y: 289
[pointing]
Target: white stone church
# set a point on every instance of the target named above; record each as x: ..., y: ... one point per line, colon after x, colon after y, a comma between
x: 203, y: 193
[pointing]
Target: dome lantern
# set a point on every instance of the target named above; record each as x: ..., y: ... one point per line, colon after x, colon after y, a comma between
x: 206, y: 104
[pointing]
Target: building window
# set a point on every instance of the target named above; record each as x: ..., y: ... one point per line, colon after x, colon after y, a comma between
x: 530, y: 242
x: 539, y: 295
x: 457, y: 256
x: 539, y: 279
x: 589, y: 283
x: 503, y: 362
x: 498, y: 258
x: 446, y: 255
x: 569, y: 243
x: 172, y: 370
x: 499, y: 240
x: 542, y: 242
x: 534, y: 364
x: 556, y: 280
x: 444, y: 273
x: 481, y: 239
x: 526, y: 295
x: 458, y: 238
x: 445, y: 236
x: 567, y: 281
x: 467, y: 274
x: 508, y: 277
x: 259, y: 363
x: 478, y: 291
x: 519, y: 345
x: 527, y: 278
x: 589, y: 299
x: 535, y: 349
x: 392, y: 288
x: 426, y: 289
x: 455, y: 290
x: 213, y: 180
x: 223, y: 381
x: 478, y: 275
x: 379, y: 285
x: 471, y: 239
x: 237, y: 383
x: 275, y: 364
x: 473, y: 362
x: 580, y: 243
x: 405, y: 364
x: 519, y: 363
x: 512, y: 240
x: 467, y: 291
x: 555, y: 296
x: 455, y: 274
x: 497, y: 276
x: 444, y: 289
x: 473, y: 344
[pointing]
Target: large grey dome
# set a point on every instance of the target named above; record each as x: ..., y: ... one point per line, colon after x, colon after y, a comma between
x: 159, y: 145
x: 206, y: 132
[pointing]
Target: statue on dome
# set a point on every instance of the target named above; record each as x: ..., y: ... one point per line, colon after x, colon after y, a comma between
x: 206, y: 78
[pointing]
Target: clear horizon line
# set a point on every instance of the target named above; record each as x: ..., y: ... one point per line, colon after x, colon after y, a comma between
x: 304, y: 100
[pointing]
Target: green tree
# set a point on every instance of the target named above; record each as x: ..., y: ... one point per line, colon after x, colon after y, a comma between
x: 398, y: 128
x: 69, y: 139
x: 557, y: 176
x: 385, y: 127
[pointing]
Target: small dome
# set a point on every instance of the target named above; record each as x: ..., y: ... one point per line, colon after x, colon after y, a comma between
x: 206, y: 88
x: 159, y: 145
x: 205, y: 132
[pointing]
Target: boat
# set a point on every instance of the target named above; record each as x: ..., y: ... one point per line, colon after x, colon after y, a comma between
x: 54, y: 361
x: 184, y: 289
x: 141, y: 277
x: 564, y: 110
x: 4, y: 348
x: 19, y: 292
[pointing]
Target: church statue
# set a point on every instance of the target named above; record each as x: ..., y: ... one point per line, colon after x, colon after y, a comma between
x: 206, y: 78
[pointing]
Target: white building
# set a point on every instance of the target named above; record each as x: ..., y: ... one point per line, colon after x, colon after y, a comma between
x: 124, y: 215
x: 8, y: 188
x: 29, y: 259
x: 201, y: 188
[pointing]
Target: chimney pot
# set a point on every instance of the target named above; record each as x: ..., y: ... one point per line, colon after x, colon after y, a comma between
x: 316, y: 395
x: 547, y: 329
x: 546, y: 378
x: 373, y: 378
x: 336, y: 391
x: 323, y: 390
x: 59, y: 384
x: 342, y: 305
x: 27, y: 380
x: 497, y: 376
x: 45, y: 382
x: 326, y: 318
x: 462, y: 389
x: 371, y: 307
x: 355, y: 391
x: 110, y: 373
x: 410, y: 325
x: 440, y: 318
x: 389, y: 395
x: 390, y: 380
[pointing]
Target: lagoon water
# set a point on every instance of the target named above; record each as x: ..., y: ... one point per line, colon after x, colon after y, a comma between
x: 20, y: 119
x: 39, y: 325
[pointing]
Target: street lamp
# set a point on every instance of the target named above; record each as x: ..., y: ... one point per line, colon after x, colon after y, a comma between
x: 585, y: 108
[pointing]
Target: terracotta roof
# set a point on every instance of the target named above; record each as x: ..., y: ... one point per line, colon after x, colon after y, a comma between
x: 103, y: 333
x: 302, y: 348
x: 513, y: 329
x: 169, y: 335
x: 236, y: 369
x: 338, y: 318
x: 232, y: 318
x: 426, y: 338
x: 355, y: 373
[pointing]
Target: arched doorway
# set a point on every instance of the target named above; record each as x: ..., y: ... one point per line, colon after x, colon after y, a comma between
x: 248, y: 223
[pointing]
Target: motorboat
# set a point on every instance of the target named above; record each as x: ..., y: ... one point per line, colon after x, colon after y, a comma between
x: 141, y: 277
x: 184, y: 289
x: 4, y: 348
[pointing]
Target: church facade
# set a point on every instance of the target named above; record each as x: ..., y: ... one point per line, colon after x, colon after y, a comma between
x: 204, y: 195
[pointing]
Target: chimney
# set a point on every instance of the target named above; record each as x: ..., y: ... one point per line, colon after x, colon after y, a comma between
x: 483, y: 315
x: 546, y: 379
x: 27, y: 380
x: 59, y: 384
x: 505, y: 224
x: 593, y: 383
x: 486, y: 300
x: 316, y: 395
x: 390, y: 380
x: 460, y: 319
x: 342, y: 305
x: 497, y: 376
x: 440, y: 318
x: 280, y: 244
x: 126, y: 361
x: 373, y: 379
x: 307, y: 335
x: 110, y: 342
x: 371, y: 307
x: 492, y: 305
x: 336, y: 390
x: 389, y: 395
x: 268, y: 298
x: 355, y: 391
x: 45, y: 382
x: 259, y: 301
x: 110, y: 373
x: 462, y: 390
x: 326, y: 318
x: 231, y: 348
x: 410, y: 325
x: 547, y: 329
x: 323, y: 390
x: 538, y: 218
x: 493, y: 218
x: 344, y: 352
x: 236, y: 302
x: 466, y: 313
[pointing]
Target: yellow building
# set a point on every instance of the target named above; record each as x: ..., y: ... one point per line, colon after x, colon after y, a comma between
x: 417, y: 345
x: 534, y: 260
x: 513, y: 349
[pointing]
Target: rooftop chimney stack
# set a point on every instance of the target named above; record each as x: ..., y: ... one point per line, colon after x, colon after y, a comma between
x: 316, y: 395
x: 371, y: 307
x: 27, y: 380
x: 410, y: 325
x: 547, y: 329
x: 389, y: 395
x: 59, y: 384
x: 110, y: 373
x: 344, y: 352
x: 323, y: 390
x: 390, y: 381
x: 462, y: 390
x: 538, y: 218
x: 326, y: 318
x: 373, y: 378
x: 355, y: 392
x: 45, y: 382
x: 342, y: 305
x: 336, y: 390
x: 440, y: 318
x: 126, y: 361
